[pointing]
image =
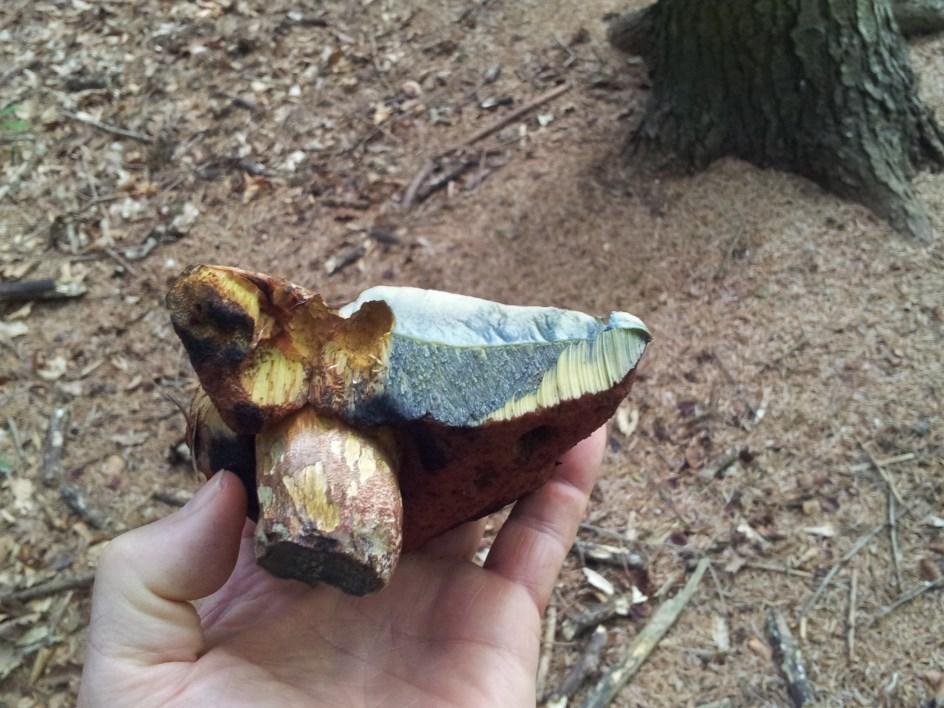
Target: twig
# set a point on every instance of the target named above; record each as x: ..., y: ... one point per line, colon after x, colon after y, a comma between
x: 120, y: 260
x: 171, y: 498
x: 409, y: 196
x: 547, y: 649
x: 587, y: 665
x: 43, y: 289
x: 82, y: 580
x: 75, y: 500
x: 608, y: 555
x: 778, y: 569
x: 719, y: 465
x: 86, y: 119
x: 856, y: 547
x: 647, y: 639
x: 908, y: 597
x: 17, y: 443
x: 789, y: 659
x: 595, y: 615
x: 414, y: 189
x: 605, y: 533
x: 50, y: 470
x: 851, y: 620
x: 883, y: 473
x: 893, y: 539
x: 517, y: 113
x: 444, y: 179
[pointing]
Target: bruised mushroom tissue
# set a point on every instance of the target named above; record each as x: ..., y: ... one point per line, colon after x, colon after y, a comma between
x: 409, y: 411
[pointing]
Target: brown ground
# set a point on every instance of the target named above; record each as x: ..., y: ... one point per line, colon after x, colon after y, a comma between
x: 788, y: 323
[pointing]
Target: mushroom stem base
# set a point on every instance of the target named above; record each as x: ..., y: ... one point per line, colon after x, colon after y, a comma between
x: 329, y: 504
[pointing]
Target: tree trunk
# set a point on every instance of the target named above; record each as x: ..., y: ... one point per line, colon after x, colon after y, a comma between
x: 917, y: 17
x: 819, y: 87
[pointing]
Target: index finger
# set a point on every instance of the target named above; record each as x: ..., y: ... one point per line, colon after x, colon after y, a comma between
x: 531, y: 546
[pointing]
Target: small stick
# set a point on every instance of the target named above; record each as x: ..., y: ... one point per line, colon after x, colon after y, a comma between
x: 53, y: 447
x: 643, y: 644
x: 908, y: 597
x: 856, y: 547
x: 516, y: 114
x: 719, y: 465
x: 547, y: 649
x: 595, y: 615
x: 883, y: 473
x: 17, y: 443
x: 605, y: 533
x: 789, y: 659
x: 43, y: 289
x: 443, y: 180
x: 608, y: 555
x: 778, y: 569
x: 86, y: 119
x: 409, y: 196
x: 893, y: 538
x: 171, y: 498
x: 850, y: 631
x: 75, y: 500
x: 82, y: 580
x: 587, y: 665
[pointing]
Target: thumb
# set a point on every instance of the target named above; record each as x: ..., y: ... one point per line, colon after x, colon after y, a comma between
x: 147, y: 577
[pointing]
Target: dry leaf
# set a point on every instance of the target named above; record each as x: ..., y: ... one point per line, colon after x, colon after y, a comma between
x: 11, y: 330
x: 638, y: 597
x: 826, y: 530
x: 22, y: 490
x: 720, y: 634
x: 627, y: 418
x: 53, y: 369
x: 598, y: 581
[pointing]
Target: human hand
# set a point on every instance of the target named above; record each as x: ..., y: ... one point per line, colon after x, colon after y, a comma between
x: 444, y: 631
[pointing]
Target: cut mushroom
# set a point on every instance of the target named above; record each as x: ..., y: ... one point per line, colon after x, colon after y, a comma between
x: 451, y: 405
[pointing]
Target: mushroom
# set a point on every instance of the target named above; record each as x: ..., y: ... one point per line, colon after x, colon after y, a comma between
x: 366, y: 431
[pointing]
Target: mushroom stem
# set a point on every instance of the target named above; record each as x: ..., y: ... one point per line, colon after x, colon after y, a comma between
x: 214, y: 447
x: 330, y: 506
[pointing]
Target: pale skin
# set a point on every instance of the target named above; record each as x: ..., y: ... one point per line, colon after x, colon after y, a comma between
x: 445, y: 631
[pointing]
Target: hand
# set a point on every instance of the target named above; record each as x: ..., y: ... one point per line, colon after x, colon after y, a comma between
x: 444, y: 631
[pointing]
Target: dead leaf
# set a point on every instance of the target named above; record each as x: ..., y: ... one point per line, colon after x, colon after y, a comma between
x: 11, y: 330
x: 627, y: 418
x: 825, y: 531
x: 53, y: 369
x: 720, y: 633
x: 598, y: 581
x: 22, y: 490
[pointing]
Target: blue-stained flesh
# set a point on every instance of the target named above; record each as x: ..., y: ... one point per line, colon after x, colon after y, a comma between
x: 460, y: 360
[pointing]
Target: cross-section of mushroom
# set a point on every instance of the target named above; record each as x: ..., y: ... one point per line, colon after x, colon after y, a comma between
x: 379, y: 426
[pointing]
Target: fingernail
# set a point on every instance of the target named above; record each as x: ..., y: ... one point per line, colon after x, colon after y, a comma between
x: 205, y: 494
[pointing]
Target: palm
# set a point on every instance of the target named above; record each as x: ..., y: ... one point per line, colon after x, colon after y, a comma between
x: 443, y: 631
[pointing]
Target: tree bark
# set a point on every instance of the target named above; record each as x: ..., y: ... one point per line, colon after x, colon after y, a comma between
x: 917, y: 17
x: 823, y: 88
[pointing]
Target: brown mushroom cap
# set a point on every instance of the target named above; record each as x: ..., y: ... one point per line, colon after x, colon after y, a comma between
x: 482, y: 398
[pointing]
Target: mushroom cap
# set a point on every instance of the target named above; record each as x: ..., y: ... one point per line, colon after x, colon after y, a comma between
x: 482, y: 397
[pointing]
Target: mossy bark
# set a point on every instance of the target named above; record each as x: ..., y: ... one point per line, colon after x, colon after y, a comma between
x: 823, y: 88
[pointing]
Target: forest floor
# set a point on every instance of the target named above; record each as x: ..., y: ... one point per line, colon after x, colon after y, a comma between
x: 792, y: 329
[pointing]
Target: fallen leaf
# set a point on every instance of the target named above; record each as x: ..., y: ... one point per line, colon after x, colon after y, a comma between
x: 598, y: 581
x: 53, y: 369
x: 627, y: 418
x: 22, y: 490
x: 11, y: 330
x: 638, y: 597
x: 826, y: 530
x: 720, y: 633
x: 184, y: 221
